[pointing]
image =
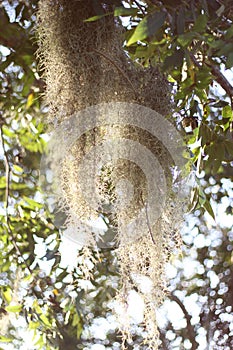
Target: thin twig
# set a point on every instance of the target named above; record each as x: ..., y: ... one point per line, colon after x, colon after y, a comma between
x: 140, y: 7
x: 7, y: 196
x: 118, y: 68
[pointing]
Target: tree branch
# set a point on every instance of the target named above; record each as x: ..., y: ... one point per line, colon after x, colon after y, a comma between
x: 163, y: 340
x: 221, y: 80
x: 190, y: 328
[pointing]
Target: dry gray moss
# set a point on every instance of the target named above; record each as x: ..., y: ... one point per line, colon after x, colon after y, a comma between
x: 83, y: 65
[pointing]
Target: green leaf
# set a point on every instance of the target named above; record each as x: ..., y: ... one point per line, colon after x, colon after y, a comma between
x: 229, y: 32
x: 215, y: 151
x: 45, y: 320
x: 14, y: 308
x: 215, y: 165
x: 5, y: 266
x: 95, y: 18
x: 227, y: 112
x: 229, y: 62
x: 30, y: 100
x: 180, y: 21
x: 32, y: 203
x: 18, y: 186
x: 8, y: 132
x: 174, y: 60
x: 220, y: 150
x: 33, y: 325
x: 203, y: 78
x: 229, y: 148
x: 17, y: 168
x: 40, y: 342
x: 27, y: 278
x: 185, y: 39
x: 209, y: 208
x: 205, y: 133
x: 122, y: 11
x: 200, y: 24
x: 5, y: 339
x: 202, y: 197
x: 147, y: 27
x: 7, y: 295
x: 220, y: 103
x: 225, y: 49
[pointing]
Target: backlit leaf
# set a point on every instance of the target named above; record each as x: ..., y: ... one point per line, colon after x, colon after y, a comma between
x: 147, y: 27
x: 14, y: 308
x: 227, y: 112
x: 30, y: 100
x: 122, y: 11
x: 5, y: 339
x: 7, y: 295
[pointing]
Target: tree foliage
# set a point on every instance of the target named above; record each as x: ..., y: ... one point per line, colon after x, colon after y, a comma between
x: 191, y: 43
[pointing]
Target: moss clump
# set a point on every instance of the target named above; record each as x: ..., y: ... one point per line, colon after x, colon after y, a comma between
x: 84, y: 65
